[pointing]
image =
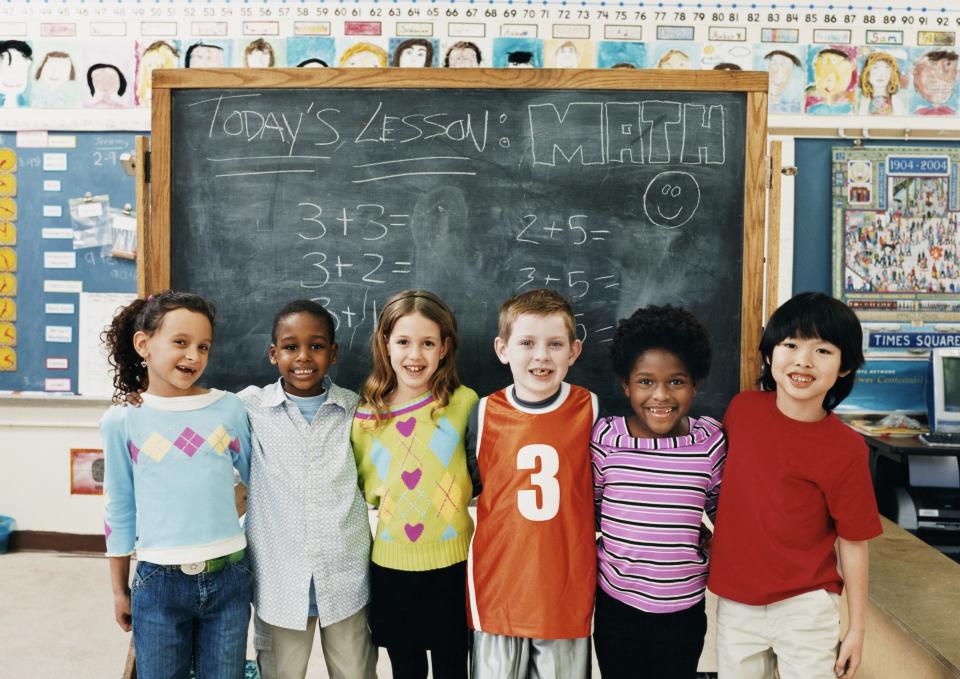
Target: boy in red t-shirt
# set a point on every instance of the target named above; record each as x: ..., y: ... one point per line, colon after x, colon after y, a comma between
x: 796, y: 482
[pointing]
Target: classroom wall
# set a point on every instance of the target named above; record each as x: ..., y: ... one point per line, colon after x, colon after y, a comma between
x: 35, y: 441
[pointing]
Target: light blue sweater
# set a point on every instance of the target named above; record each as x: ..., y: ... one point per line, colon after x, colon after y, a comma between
x: 168, y: 481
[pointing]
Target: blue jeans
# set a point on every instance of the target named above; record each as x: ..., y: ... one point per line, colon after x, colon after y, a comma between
x: 181, y: 620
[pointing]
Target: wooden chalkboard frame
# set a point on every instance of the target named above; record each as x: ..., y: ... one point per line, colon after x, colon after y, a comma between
x: 155, y: 272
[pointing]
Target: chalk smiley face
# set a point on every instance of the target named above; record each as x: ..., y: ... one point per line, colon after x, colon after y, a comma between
x: 671, y: 199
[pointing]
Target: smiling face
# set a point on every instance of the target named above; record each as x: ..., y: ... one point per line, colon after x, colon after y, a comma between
x: 415, y: 349
x: 56, y: 71
x: 780, y: 69
x: 661, y: 392
x: 832, y: 73
x: 804, y: 369
x: 176, y: 353
x: 671, y: 199
x: 539, y: 353
x: 303, y: 353
x: 14, y: 72
x: 879, y: 77
x: 414, y: 56
x: 936, y: 80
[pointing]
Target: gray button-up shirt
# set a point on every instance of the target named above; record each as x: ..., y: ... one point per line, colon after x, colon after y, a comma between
x: 305, y: 514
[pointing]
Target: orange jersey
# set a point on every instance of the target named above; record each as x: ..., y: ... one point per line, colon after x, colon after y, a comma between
x: 532, y: 567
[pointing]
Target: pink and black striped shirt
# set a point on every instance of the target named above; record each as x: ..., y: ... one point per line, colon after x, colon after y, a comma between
x: 650, y: 497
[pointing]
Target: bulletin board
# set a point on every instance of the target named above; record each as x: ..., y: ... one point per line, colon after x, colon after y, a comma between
x: 896, y: 218
x: 62, y: 272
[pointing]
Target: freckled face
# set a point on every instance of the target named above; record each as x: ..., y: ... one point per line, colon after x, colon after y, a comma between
x: 936, y: 80
x: 671, y: 199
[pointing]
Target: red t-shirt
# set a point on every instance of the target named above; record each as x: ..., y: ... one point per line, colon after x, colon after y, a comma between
x: 790, y: 488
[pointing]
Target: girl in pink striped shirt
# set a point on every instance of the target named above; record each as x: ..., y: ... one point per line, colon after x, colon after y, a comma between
x: 655, y: 473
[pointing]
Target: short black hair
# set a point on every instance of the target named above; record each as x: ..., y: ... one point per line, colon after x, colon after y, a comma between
x: 520, y: 57
x: 814, y: 315
x: 123, y: 81
x: 19, y: 45
x: 940, y: 55
x: 783, y: 53
x: 661, y: 327
x: 313, y: 60
x: 304, y: 306
x: 189, y: 54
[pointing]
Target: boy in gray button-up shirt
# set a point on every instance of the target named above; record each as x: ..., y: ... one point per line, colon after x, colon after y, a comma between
x: 307, y: 526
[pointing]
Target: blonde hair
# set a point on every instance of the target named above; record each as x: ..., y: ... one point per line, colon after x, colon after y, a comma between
x: 383, y: 380
x: 375, y: 50
x: 669, y: 54
x: 893, y: 86
x: 540, y: 302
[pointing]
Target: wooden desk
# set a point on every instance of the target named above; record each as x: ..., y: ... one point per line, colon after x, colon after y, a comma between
x: 913, y: 628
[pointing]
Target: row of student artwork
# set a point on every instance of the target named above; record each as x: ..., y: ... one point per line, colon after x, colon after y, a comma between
x: 814, y: 79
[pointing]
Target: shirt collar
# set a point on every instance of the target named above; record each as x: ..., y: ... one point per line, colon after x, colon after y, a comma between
x: 274, y: 395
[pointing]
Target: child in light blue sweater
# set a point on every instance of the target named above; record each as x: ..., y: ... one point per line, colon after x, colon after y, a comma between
x: 168, y: 485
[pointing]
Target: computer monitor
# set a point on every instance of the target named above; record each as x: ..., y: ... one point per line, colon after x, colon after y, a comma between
x: 943, y: 391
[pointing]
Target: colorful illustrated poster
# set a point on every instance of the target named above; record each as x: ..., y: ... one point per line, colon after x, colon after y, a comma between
x: 896, y: 216
x: 86, y: 471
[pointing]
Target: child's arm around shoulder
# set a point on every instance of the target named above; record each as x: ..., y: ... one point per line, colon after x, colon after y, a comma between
x: 717, y: 442
x: 240, y: 446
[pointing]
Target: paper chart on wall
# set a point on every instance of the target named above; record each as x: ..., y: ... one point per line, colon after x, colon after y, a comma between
x: 97, y: 309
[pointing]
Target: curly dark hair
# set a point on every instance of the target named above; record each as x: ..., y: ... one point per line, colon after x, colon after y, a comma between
x: 661, y: 327
x: 129, y: 373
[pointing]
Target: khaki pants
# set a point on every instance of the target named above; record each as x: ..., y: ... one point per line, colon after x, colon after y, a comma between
x: 798, y: 636
x: 283, y: 653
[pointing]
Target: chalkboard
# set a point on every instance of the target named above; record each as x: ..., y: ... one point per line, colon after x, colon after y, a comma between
x: 53, y: 267
x: 353, y: 186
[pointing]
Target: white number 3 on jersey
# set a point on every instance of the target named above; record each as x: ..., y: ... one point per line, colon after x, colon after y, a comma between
x: 545, y: 480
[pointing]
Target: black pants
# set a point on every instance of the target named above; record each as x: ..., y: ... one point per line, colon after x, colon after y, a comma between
x: 632, y: 644
x: 448, y: 663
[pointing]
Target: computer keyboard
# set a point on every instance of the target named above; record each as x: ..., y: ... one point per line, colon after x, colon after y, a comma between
x: 941, y: 439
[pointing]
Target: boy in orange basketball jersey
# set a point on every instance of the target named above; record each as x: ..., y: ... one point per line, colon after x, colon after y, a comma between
x: 531, y: 571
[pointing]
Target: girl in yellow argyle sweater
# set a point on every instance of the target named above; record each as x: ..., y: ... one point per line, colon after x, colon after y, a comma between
x: 408, y: 438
